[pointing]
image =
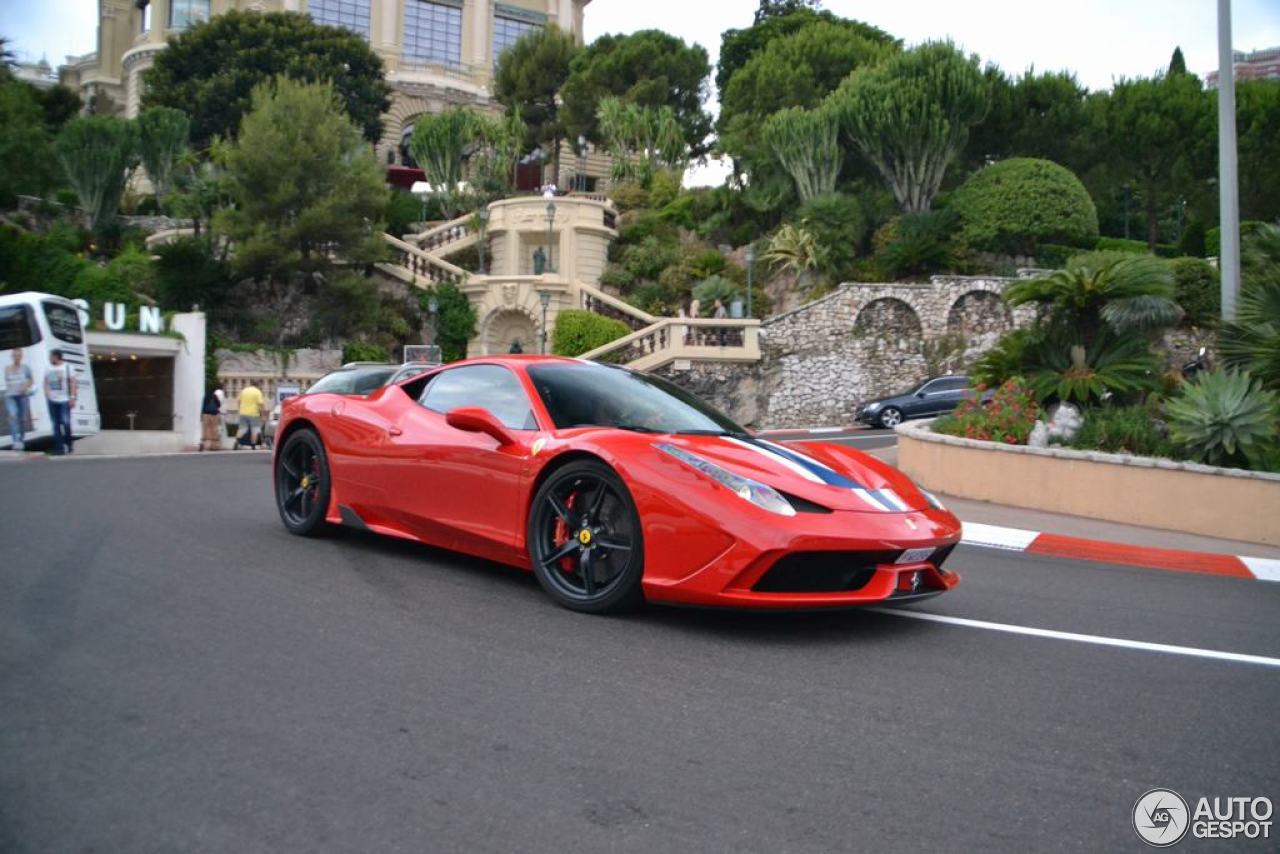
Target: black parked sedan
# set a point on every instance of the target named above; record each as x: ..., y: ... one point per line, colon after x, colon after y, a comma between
x: 932, y: 397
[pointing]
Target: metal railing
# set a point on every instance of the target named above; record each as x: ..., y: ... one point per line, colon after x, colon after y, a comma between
x: 596, y: 300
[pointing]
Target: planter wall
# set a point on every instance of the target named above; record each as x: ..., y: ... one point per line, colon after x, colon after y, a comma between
x: 1156, y: 493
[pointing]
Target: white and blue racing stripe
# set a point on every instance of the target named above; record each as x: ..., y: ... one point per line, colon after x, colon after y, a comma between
x: 881, y: 499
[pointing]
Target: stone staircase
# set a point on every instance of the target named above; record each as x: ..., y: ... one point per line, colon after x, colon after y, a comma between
x: 421, y: 260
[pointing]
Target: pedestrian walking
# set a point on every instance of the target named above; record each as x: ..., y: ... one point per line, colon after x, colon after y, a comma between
x: 60, y: 392
x: 720, y: 314
x: 695, y: 311
x: 210, y: 422
x: 18, y: 384
x: 250, y: 415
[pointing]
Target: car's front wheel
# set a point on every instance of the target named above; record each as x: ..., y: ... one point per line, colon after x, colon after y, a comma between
x: 890, y: 417
x: 302, y: 483
x: 585, y: 540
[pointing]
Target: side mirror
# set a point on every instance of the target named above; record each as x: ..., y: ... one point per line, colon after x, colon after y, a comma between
x: 474, y: 419
x: 919, y: 394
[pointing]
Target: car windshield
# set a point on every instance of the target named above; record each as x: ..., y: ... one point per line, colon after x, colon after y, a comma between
x: 353, y: 380
x: 585, y: 394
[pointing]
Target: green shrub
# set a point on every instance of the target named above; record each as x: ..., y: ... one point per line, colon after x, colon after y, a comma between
x: 1016, y: 204
x: 40, y: 262
x: 658, y: 298
x: 188, y: 274
x: 711, y: 289
x: 915, y: 244
x: 1225, y: 418
x: 364, y: 351
x: 617, y: 276
x: 1213, y: 237
x: 692, y: 209
x: 101, y: 284
x: 1009, y: 417
x: 1123, y: 430
x: 135, y: 269
x: 647, y: 259
x: 402, y: 210
x: 455, y: 319
x: 628, y: 197
x: 665, y: 187
x: 1192, y: 241
x: 839, y: 225
x: 1199, y: 290
x: 576, y: 332
x: 1010, y: 357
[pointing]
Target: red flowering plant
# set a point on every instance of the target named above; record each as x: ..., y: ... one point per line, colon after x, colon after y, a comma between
x: 1007, y: 417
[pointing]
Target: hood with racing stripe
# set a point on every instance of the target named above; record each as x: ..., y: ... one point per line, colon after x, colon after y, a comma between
x: 831, y: 475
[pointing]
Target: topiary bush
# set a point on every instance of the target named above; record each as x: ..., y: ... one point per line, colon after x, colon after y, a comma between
x: 1137, y: 247
x: 577, y: 331
x: 1016, y: 204
x: 1198, y: 290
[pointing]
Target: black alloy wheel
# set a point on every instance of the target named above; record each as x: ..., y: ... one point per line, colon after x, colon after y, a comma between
x: 585, y: 540
x: 302, y: 483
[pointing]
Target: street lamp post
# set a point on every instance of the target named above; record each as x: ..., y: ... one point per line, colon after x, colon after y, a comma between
x: 544, y: 297
x: 433, y: 309
x: 551, y: 219
x: 751, y: 267
x: 483, y: 216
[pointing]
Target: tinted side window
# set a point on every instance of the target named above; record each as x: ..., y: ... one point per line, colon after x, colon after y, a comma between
x: 490, y: 387
x: 952, y: 384
x: 338, y: 382
x: 17, y: 327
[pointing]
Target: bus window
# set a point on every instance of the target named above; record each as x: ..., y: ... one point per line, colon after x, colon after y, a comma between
x: 18, y: 327
x: 64, y: 322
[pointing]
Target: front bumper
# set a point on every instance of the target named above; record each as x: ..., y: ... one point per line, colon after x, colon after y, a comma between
x: 855, y: 559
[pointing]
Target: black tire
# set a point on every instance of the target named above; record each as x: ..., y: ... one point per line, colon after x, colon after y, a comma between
x: 302, y: 483
x: 890, y: 417
x: 584, y: 512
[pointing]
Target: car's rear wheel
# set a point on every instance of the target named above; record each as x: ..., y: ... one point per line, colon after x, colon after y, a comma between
x: 890, y: 417
x: 302, y: 483
x: 585, y: 540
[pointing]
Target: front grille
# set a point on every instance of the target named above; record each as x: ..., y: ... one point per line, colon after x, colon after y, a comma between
x: 822, y: 572
x: 941, y: 555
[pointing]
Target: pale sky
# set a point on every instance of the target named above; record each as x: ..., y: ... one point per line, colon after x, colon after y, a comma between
x: 1100, y: 40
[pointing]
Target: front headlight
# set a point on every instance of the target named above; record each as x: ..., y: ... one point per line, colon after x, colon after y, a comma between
x: 931, y: 498
x: 762, y: 495
x: 871, y: 407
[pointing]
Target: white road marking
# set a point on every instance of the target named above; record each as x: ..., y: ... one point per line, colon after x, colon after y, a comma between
x: 828, y: 430
x: 1263, y: 568
x: 1014, y: 539
x: 1098, y: 640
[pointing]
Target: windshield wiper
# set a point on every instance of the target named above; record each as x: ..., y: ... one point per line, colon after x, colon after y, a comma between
x: 635, y: 428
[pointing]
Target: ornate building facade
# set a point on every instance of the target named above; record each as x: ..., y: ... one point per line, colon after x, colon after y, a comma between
x: 437, y: 53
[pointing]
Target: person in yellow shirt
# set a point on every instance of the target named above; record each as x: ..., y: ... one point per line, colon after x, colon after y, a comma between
x: 250, y: 415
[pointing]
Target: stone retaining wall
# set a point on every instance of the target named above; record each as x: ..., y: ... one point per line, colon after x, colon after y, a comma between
x: 821, y: 360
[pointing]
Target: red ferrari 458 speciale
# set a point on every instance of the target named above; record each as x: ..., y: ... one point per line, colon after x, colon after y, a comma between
x: 614, y: 487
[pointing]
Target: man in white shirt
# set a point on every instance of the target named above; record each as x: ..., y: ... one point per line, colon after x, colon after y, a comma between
x: 60, y: 392
x: 17, y: 388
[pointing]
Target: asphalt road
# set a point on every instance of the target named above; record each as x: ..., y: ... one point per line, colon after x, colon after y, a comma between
x: 178, y: 673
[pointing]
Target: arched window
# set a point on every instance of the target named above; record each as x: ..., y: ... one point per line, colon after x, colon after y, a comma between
x: 184, y: 13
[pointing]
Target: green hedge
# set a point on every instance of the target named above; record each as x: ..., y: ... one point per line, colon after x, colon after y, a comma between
x: 1199, y: 290
x: 578, y: 331
x: 1054, y: 255
x: 1120, y: 244
x: 364, y: 351
x: 1016, y: 204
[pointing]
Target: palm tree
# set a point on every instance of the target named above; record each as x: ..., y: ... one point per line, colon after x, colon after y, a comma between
x: 1252, y: 342
x: 1122, y: 292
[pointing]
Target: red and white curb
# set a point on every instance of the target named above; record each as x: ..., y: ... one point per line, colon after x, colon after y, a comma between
x: 1175, y: 560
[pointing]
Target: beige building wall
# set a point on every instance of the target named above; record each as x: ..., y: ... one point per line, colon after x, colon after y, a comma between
x: 110, y: 79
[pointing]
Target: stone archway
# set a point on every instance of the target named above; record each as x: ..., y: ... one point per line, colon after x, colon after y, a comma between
x: 506, y: 326
x: 889, y: 321
x: 978, y: 313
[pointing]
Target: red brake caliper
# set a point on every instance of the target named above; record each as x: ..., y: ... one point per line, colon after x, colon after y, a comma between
x: 568, y: 565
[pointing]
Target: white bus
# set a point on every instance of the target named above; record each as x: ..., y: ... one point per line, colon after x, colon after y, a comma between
x: 38, y: 324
